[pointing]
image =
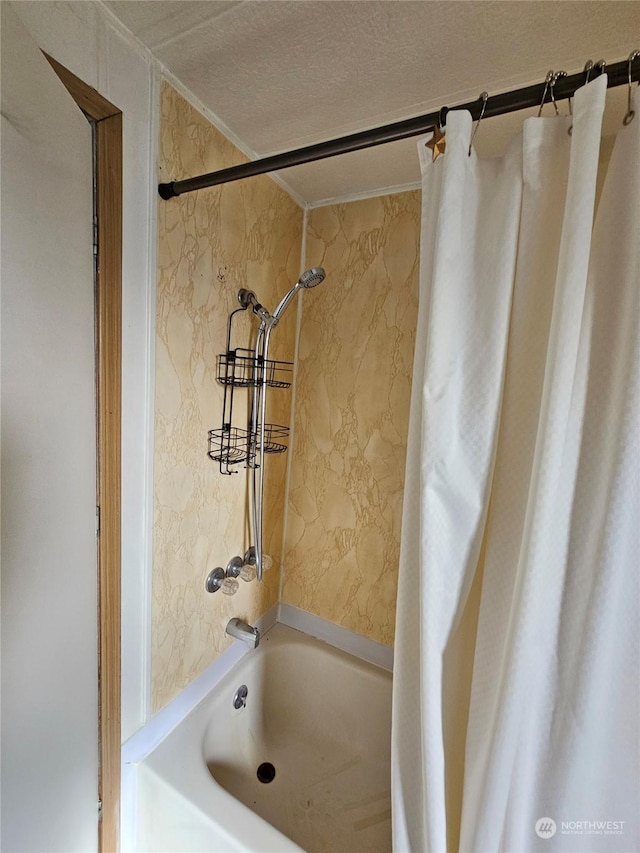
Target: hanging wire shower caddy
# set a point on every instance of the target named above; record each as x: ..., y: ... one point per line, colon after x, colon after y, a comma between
x: 239, y: 367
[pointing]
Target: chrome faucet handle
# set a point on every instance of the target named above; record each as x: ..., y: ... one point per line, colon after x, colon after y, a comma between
x: 239, y: 568
x: 229, y: 586
x: 248, y: 572
x: 250, y: 562
x: 218, y: 580
x: 234, y: 567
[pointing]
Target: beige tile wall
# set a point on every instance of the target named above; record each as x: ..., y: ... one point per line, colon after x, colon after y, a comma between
x: 210, y: 243
x: 351, y: 413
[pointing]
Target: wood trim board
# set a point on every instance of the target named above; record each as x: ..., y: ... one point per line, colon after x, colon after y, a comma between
x: 107, y: 127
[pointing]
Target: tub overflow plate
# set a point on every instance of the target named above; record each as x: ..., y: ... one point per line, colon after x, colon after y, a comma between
x: 240, y: 698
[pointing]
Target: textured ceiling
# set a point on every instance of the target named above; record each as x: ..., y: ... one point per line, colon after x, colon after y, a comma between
x: 280, y: 74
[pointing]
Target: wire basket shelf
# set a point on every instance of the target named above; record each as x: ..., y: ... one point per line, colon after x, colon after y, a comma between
x: 242, y: 369
x: 273, y: 438
x: 239, y: 367
x: 233, y: 446
x: 230, y: 446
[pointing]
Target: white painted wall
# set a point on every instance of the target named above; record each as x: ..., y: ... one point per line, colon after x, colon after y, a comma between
x: 90, y: 42
x: 49, y: 730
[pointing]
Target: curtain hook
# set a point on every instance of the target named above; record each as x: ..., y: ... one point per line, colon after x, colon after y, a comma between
x: 547, y: 80
x: 630, y: 112
x: 438, y: 141
x: 485, y: 98
x: 600, y: 66
x: 588, y: 68
x: 554, y: 80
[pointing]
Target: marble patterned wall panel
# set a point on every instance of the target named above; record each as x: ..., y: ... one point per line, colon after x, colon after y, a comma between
x: 351, y: 413
x: 211, y: 243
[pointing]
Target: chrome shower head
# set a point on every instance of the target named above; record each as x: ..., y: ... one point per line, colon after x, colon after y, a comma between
x: 309, y: 278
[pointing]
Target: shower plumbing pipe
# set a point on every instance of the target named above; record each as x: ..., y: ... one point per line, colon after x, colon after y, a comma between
x: 618, y: 74
x: 258, y: 412
x: 309, y: 278
x: 255, y: 408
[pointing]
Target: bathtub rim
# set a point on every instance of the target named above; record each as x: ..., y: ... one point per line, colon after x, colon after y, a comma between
x: 141, y: 744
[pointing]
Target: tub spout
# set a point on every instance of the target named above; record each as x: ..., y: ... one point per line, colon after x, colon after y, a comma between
x: 241, y: 631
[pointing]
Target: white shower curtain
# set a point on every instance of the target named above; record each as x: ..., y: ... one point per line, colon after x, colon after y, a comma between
x: 516, y: 693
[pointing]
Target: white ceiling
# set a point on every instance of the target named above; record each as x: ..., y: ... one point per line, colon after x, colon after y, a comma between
x: 281, y: 74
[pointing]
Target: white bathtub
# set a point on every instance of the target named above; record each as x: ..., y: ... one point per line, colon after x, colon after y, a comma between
x: 319, y: 716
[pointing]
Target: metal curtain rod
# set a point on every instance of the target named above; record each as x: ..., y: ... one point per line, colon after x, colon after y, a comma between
x: 507, y: 102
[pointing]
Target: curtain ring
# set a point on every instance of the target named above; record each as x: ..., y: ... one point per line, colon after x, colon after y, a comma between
x: 630, y: 112
x: 547, y: 80
x: 438, y: 141
x: 588, y: 68
x: 485, y: 98
x: 554, y: 80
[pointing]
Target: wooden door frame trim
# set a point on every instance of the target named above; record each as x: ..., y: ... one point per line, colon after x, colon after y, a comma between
x: 107, y: 123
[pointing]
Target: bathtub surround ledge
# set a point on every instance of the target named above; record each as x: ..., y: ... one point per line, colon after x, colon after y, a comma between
x: 148, y: 737
x: 335, y: 635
